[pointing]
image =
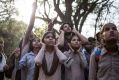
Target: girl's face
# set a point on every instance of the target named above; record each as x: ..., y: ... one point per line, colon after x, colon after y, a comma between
x: 75, y: 42
x: 110, y: 32
x: 36, y: 43
x: 49, y: 39
x: 66, y: 28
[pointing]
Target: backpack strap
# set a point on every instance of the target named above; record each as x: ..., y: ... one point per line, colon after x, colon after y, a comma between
x: 97, y: 54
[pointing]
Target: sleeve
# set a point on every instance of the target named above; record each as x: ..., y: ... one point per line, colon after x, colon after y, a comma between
x: 61, y: 56
x: 93, y: 68
x: 23, y: 61
x: 68, y: 62
x: 39, y: 57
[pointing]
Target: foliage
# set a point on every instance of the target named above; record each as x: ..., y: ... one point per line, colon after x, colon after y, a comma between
x: 76, y: 12
x: 7, y: 9
x: 39, y: 31
x: 12, y: 32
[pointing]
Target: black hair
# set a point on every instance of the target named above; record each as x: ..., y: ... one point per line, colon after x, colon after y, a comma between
x: 31, y: 46
x: 49, y: 32
x: 108, y: 24
x: 73, y: 36
x: 61, y: 28
x: 91, y: 39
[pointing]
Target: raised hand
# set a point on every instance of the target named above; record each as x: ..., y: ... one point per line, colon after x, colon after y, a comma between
x: 34, y: 5
x: 75, y: 31
x: 51, y: 23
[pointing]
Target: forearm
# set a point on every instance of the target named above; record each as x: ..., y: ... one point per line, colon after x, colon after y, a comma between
x: 61, y: 39
x: 83, y: 39
x: 31, y: 24
x: 39, y: 57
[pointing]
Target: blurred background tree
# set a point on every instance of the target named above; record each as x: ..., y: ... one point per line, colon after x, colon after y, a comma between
x: 77, y: 12
x: 7, y: 10
x: 12, y: 31
x: 39, y: 31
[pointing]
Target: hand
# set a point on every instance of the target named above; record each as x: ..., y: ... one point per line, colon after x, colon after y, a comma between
x: 6, y: 67
x: 61, y: 31
x: 34, y: 4
x: 17, y: 53
x: 56, y: 46
x: 75, y: 31
x: 43, y: 45
x: 51, y: 23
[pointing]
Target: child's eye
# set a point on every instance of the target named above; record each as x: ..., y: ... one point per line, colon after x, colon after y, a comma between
x: 114, y: 28
x: 106, y: 29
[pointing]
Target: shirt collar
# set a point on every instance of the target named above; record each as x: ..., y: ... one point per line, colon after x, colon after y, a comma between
x: 31, y: 53
x: 104, y: 51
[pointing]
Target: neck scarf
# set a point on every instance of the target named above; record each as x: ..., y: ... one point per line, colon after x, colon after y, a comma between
x: 53, y: 67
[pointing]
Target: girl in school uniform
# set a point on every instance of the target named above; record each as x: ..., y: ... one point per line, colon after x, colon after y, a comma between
x: 49, y: 59
x: 74, y: 66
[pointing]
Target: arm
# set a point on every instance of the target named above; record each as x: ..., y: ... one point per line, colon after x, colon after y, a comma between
x: 61, y: 39
x: 40, y: 55
x: 60, y: 55
x: 93, y: 68
x: 31, y: 24
x: 69, y: 60
x: 83, y: 39
x: 51, y: 24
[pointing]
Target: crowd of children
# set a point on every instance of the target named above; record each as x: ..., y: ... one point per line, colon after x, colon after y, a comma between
x: 70, y: 56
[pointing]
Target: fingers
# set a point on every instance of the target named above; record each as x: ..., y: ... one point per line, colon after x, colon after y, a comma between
x: 43, y: 45
x: 61, y: 31
x: 34, y: 4
x: 74, y: 30
x: 6, y: 67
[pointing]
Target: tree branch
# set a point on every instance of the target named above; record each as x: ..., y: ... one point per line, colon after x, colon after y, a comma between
x: 68, y: 12
x: 48, y: 20
x: 57, y: 9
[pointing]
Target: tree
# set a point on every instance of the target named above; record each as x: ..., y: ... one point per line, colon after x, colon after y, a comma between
x: 7, y: 9
x: 12, y: 31
x: 40, y: 31
x: 75, y: 11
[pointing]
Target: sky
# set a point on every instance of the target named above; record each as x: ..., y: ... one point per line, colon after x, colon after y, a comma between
x: 24, y: 8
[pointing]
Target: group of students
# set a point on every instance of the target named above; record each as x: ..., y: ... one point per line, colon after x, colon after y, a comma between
x: 69, y: 57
